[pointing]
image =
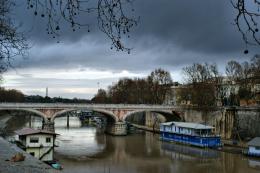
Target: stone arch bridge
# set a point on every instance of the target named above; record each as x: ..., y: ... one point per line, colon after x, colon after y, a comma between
x: 115, y: 113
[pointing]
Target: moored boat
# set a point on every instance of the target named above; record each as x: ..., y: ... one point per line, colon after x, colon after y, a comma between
x: 54, y: 164
x: 189, y: 133
x: 253, y: 148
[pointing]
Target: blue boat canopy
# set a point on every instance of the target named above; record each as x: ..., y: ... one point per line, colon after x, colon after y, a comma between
x: 254, y: 142
x: 188, y: 125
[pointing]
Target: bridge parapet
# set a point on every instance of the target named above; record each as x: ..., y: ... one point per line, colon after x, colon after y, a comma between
x: 84, y: 106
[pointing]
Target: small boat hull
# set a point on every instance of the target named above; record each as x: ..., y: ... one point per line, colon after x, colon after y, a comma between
x: 199, y: 141
x: 54, y: 164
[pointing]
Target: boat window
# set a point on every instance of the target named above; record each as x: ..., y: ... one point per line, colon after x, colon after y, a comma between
x: 32, y: 153
x: 34, y: 139
x: 257, y: 148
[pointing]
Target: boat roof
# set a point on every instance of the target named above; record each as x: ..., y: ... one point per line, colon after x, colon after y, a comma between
x: 254, y: 142
x: 30, y: 131
x: 188, y: 125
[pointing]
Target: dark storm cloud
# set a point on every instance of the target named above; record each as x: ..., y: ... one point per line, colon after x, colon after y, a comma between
x: 203, y: 25
x: 170, y: 33
x: 34, y: 26
x: 84, y: 55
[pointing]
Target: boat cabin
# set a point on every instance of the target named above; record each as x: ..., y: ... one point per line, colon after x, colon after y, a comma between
x: 254, y: 147
x: 187, y: 128
x: 189, y: 133
x: 38, y: 143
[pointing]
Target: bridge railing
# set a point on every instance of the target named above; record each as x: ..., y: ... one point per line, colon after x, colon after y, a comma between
x: 114, y: 106
x: 82, y: 105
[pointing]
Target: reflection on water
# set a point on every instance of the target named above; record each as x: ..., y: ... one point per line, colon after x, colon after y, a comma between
x: 85, y: 149
x: 70, y: 140
x: 254, y: 163
x: 61, y: 122
x: 188, y: 152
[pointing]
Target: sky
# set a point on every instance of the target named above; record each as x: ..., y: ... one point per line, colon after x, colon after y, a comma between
x: 171, y: 34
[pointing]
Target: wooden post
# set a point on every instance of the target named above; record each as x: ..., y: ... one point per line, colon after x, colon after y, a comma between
x: 68, y: 121
x: 30, y: 121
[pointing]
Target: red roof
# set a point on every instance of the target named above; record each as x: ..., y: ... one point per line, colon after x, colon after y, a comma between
x: 29, y: 131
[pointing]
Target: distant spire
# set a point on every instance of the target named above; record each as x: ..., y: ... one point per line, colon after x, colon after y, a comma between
x: 46, y: 91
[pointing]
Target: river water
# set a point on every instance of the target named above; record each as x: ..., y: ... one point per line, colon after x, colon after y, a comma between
x: 87, y: 149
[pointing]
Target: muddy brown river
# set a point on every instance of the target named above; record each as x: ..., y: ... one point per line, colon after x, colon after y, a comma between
x: 84, y: 149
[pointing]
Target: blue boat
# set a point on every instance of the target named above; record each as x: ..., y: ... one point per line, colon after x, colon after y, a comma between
x: 189, y: 133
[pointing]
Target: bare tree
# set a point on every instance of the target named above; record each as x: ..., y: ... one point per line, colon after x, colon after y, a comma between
x: 202, y: 85
x: 11, y: 95
x: 234, y: 70
x: 246, y: 20
x: 160, y: 82
x: 246, y: 75
x: 100, y: 97
x: 197, y: 73
x: 150, y: 90
x: 114, y: 17
x: 12, y: 42
x: 2, y: 69
x: 255, y: 66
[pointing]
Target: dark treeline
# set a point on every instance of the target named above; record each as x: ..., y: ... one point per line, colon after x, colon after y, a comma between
x: 40, y: 99
x: 13, y: 95
x: 149, y: 90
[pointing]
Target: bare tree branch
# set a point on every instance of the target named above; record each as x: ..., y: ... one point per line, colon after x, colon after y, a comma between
x: 113, y: 17
x: 247, y: 18
x: 12, y: 42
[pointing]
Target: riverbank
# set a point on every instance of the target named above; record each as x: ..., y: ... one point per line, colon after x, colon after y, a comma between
x: 228, y: 145
x: 29, y: 165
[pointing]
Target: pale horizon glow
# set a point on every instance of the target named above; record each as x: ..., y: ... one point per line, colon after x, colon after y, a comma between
x: 71, y: 83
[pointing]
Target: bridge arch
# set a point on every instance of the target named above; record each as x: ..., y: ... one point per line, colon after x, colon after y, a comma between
x: 102, y: 111
x: 34, y: 111
x: 169, y: 115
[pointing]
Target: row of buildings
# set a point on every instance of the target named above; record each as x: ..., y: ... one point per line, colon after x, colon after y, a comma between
x: 228, y: 92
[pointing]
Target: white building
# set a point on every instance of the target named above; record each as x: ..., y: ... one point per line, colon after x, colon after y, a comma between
x: 254, y: 147
x: 38, y: 143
